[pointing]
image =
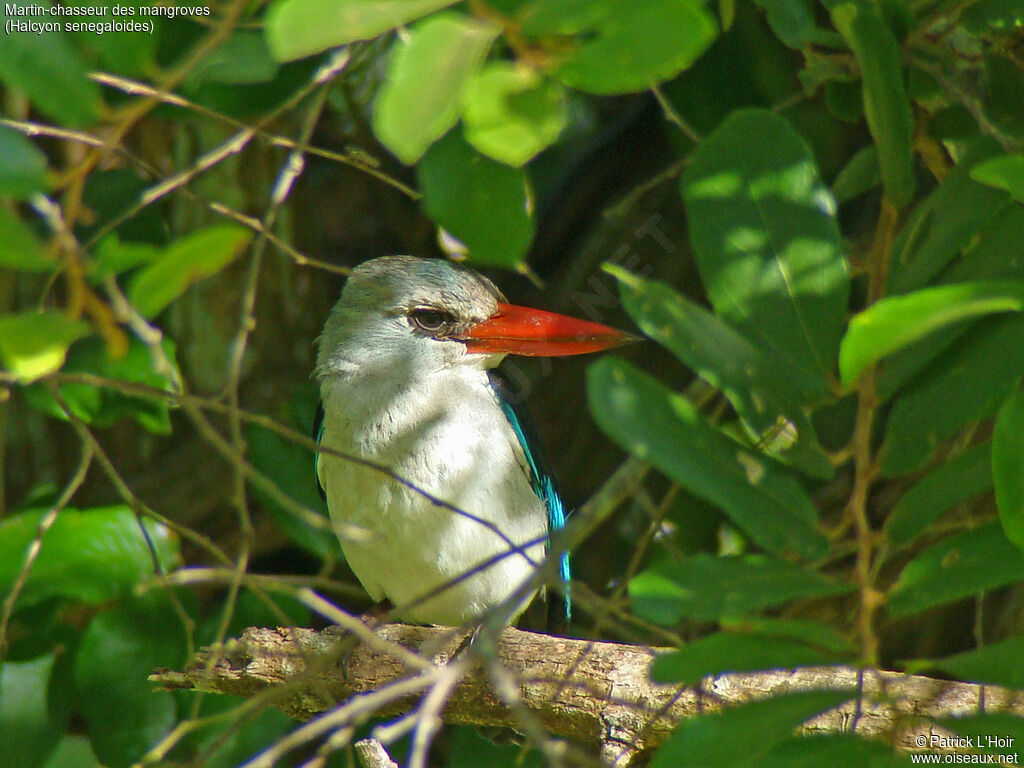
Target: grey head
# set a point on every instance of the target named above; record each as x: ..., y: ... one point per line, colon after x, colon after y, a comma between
x: 399, y: 315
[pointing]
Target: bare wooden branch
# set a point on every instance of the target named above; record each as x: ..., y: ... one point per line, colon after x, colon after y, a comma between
x: 597, y: 693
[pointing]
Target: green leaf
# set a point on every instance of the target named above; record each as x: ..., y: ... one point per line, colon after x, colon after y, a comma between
x: 814, y: 633
x: 184, y: 262
x: 743, y: 733
x: 895, y: 322
x: 792, y: 21
x: 511, y: 112
x: 767, y: 244
x: 105, y: 406
x: 91, y: 556
x: 988, y: 16
x: 427, y: 76
x: 947, y: 486
x: 708, y: 588
x: 734, y: 652
x: 994, y: 254
x: 20, y: 249
x: 243, y: 59
x: 34, y: 344
x: 543, y: 18
x: 48, y: 69
x: 120, y: 648
x: 131, y: 54
x: 28, y: 729
x: 22, y: 167
x: 112, y: 257
x: 72, y: 751
x: 759, y: 390
x: 886, y: 105
x: 947, y: 223
x: 995, y: 731
x: 841, y: 750
x: 297, y: 28
x: 1000, y: 663
x: 633, y: 51
x: 665, y: 429
x: 967, y: 384
x: 858, y: 176
x: 1004, y: 172
x: 479, y: 201
x: 1008, y: 467
x: 958, y: 567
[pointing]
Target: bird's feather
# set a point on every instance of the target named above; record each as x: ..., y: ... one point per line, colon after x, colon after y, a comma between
x: 318, y: 435
x: 542, y: 479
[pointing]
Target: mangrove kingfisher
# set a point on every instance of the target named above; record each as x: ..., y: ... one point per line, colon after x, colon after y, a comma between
x: 406, y: 382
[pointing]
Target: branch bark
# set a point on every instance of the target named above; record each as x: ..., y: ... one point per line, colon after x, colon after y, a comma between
x: 597, y: 693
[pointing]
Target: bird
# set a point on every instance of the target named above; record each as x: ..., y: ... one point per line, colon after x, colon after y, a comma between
x: 422, y: 448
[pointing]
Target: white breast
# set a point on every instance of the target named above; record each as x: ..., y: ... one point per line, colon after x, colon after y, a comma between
x: 446, y: 435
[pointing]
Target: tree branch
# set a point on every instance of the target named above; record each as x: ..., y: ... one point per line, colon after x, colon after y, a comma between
x: 597, y: 693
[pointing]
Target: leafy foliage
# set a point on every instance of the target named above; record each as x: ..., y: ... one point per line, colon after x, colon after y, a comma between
x: 844, y: 480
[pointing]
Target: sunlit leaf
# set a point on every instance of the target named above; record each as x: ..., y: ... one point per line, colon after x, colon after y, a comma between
x: 427, y: 76
x: 895, y: 322
x: 1008, y: 467
x: 707, y: 588
x: 297, y: 28
x: 34, y: 344
x: 767, y: 244
x: 184, y: 262
x: 665, y: 429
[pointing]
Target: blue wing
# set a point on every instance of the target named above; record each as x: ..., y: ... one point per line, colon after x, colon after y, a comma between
x: 542, y: 480
x: 318, y: 435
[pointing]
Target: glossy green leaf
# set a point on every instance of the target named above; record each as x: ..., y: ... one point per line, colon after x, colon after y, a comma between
x: 708, y: 588
x: 948, y: 221
x: 957, y: 567
x: 758, y: 389
x: 998, y: 731
x: 767, y: 244
x: 838, y: 750
x: 947, y: 486
x: 511, y: 112
x: 131, y: 54
x: 22, y: 166
x: 792, y: 21
x: 34, y: 344
x: 1008, y: 467
x: 740, y: 734
x: 1003, y: 172
x: 886, y: 105
x: 999, y: 663
x: 665, y: 429
x: 858, y: 176
x: 20, y: 248
x: 89, y: 556
x: 105, y: 406
x: 112, y: 257
x: 630, y: 52
x: 481, y: 202
x: 895, y: 322
x: 28, y: 728
x: 72, y: 751
x: 541, y: 18
x: 995, y: 253
x: 734, y: 652
x: 808, y: 631
x: 186, y: 261
x: 428, y: 73
x: 120, y: 648
x: 968, y: 383
x: 243, y: 59
x: 297, y: 28
x: 48, y: 69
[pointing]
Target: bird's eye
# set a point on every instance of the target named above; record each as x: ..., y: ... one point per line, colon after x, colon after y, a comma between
x: 430, y: 320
